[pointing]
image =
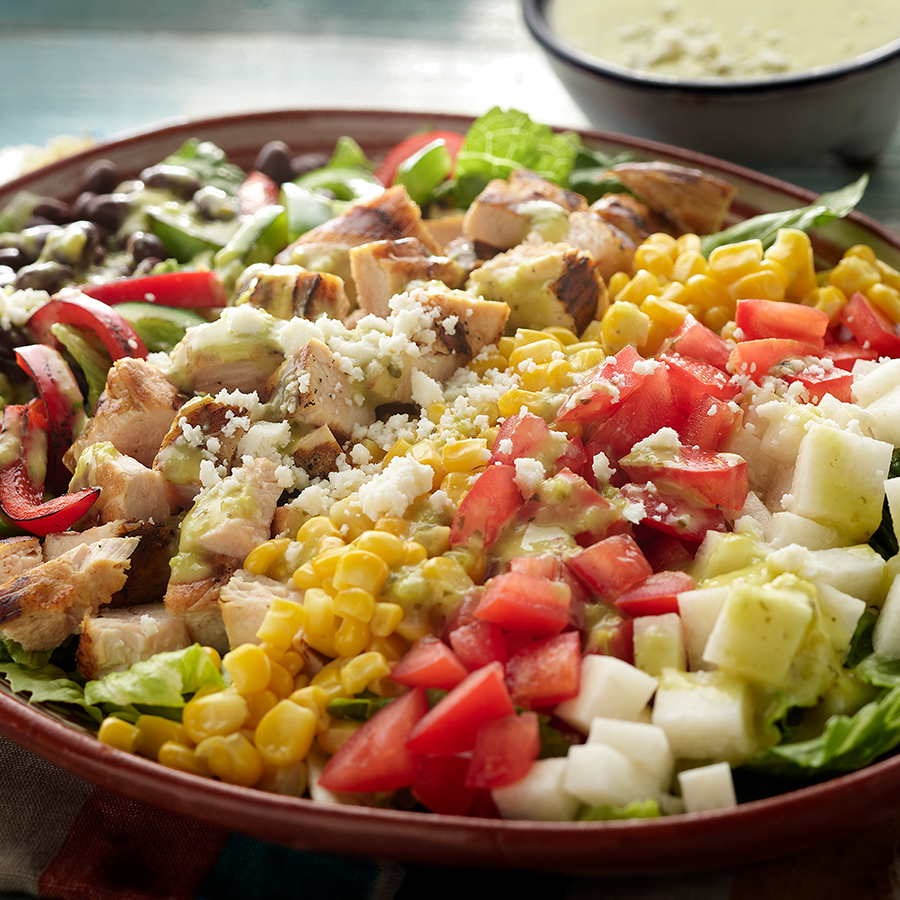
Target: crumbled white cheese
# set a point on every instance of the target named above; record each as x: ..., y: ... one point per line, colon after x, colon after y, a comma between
x: 425, y: 390
x: 602, y: 469
x: 391, y: 492
x: 529, y: 474
x: 665, y: 440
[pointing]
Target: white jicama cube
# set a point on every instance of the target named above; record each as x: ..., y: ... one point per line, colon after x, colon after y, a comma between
x: 760, y: 628
x: 892, y: 495
x: 659, y: 643
x: 839, y: 481
x: 610, y: 687
x: 707, y: 787
x: 858, y: 571
x: 540, y: 795
x: 699, y: 610
x: 644, y: 744
x: 885, y: 417
x: 870, y: 383
x: 840, y: 614
x: 787, y: 528
x: 886, y: 636
x: 847, y: 415
x: 705, y: 715
x: 600, y: 775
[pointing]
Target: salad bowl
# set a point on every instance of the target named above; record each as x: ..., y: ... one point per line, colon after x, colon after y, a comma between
x: 753, y: 831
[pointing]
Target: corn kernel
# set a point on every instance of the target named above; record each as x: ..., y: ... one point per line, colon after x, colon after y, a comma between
x: 564, y: 335
x: 506, y: 345
x: 301, y: 680
x: 853, y: 274
x: 706, y: 292
x: 351, y: 637
x: 761, y: 285
x: 324, y: 643
x: 305, y: 577
x: 456, y: 485
x: 349, y: 518
x: 675, y: 293
x: 624, y: 324
x: 863, y: 251
x: 329, y: 681
x: 400, y: 448
x: 534, y: 352
x: 729, y: 331
x: 887, y: 299
x: 529, y: 336
x: 288, y: 781
x: 261, y: 559
x: 274, y: 653
x: 180, y: 756
x: 316, y: 700
x: 116, y: 732
x: 717, y: 317
x: 360, y: 670
x: 385, y: 618
x: 281, y: 682
x: 733, y: 261
x: 637, y: 290
x: 779, y: 269
x: 689, y: 263
x: 392, y: 647
x: 356, y: 602
x: 434, y: 412
x: 392, y: 525
x: 376, y: 452
x: 319, y: 609
x: 656, y: 260
x: 665, y: 312
x: 249, y: 667
x: 688, y: 242
x: 414, y: 552
x: 384, y: 544
x: 292, y: 661
x: 465, y: 455
x: 314, y: 529
x: 587, y: 359
x: 259, y: 704
x: 214, y: 656
x: 793, y: 249
x: 617, y: 282
x: 155, y: 731
x: 515, y: 399
x: 656, y: 335
x: 415, y: 624
x: 285, y: 733
x: 231, y: 758
x: 326, y: 563
x: 337, y: 735
x: 360, y: 568
x: 218, y: 713
x: 889, y: 275
x: 283, y: 619
x: 426, y: 453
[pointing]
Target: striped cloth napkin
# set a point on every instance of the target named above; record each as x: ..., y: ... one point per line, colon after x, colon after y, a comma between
x: 62, y: 838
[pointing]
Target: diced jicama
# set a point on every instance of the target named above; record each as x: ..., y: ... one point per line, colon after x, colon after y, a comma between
x: 722, y: 552
x: 886, y: 636
x: 539, y: 795
x: 644, y: 744
x: 600, y: 775
x: 788, y: 528
x: 659, y: 643
x: 610, y: 688
x: 699, y: 610
x: 892, y: 495
x: 872, y: 382
x: 840, y: 614
x: 858, y: 571
x: 707, y: 787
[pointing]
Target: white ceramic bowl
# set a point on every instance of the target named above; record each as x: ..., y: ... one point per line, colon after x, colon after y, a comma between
x: 850, y: 108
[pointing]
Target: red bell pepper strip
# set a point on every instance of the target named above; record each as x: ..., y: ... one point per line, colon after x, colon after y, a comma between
x: 82, y: 311
x: 62, y: 401
x: 23, y: 442
x: 185, y: 289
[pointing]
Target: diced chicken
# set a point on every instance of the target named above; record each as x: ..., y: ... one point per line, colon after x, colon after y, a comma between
x: 445, y: 229
x: 311, y: 389
x: 612, y: 249
x: 635, y: 219
x: 546, y: 284
x: 128, y: 489
x: 196, y: 603
x: 41, y: 608
x: 148, y: 575
x: 288, y: 291
x: 244, y: 601
x: 205, y: 429
x: 134, y: 412
x: 116, y: 639
x: 316, y: 452
x: 390, y: 216
x: 18, y: 555
x: 506, y: 210
x: 384, y: 268
x: 690, y: 199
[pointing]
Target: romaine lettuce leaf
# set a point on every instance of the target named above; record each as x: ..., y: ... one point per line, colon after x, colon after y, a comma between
x: 12, y: 651
x: 210, y: 164
x: 47, y: 684
x: 637, y: 809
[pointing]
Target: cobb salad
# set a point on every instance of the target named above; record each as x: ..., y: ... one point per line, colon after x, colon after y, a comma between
x: 489, y: 478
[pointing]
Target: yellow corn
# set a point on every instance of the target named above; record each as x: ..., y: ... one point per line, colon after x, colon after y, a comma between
x: 401, y: 448
x: 484, y: 362
x: 360, y: 568
x: 390, y: 646
x: 349, y: 518
x: 337, y: 735
x: 118, y: 733
x: 385, y: 619
x: 301, y: 680
x: 281, y: 682
x: 180, y: 756
x: 852, y: 274
x: 214, y: 656
x: 259, y: 704
x: 717, y: 317
x: 689, y: 241
x: 637, y: 289
x: 289, y: 781
x: 416, y: 624
x: 763, y: 284
x: 293, y: 662
x: 664, y: 312
x: 465, y: 455
x: 528, y: 336
x: 388, y: 545
x: 351, y: 637
x: 706, y: 292
x: 324, y: 643
x: 325, y: 564
x: 733, y: 261
x: 887, y: 299
x: 676, y: 293
x: 232, y: 758
x: 617, y: 282
x: 414, y: 553
x: 249, y: 667
x: 506, y: 345
x: 863, y: 251
x: 319, y: 608
x: 655, y: 259
x: 539, y: 351
x: 427, y: 453
x: 587, y: 358
x: 329, y: 680
x: 262, y: 559
x: 305, y: 577
x: 392, y: 525
x: 434, y: 412
x: 218, y: 713
x: 456, y: 485
x: 155, y: 731
x: 283, y: 619
x: 362, y: 669
x: 515, y: 399
x: 564, y: 335
x: 314, y: 698
x: 624, y: 324
x: 314, y: 529
x: 689, y: 263
x: 793, y: 250
x: 356, y: 602
x: 285, y: 733
x: 889, y: 275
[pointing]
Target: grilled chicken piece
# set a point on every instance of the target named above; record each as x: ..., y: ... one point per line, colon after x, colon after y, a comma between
x: 149, y: 572
x: 389, y: 216
x: 116, y: 639
x: 41, y: 608
x: 506, y: 210
x: 196, y: 602
x: 205, y: 429
x: 288, y: 291
x: 133, y: 413
x: 633, y: 218
x: 244, y: 601
x: 311, y: 389
x: 384, y: 268
x: 612, y: 249
x: 546, y: 284
x: 445, y: 229
x: 316, y: 452
x: 691, y: 200
x: 18, y: 555
x: 128, y: 489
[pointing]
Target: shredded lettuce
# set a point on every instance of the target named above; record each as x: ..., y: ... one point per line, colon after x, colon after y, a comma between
x: 638, y: 809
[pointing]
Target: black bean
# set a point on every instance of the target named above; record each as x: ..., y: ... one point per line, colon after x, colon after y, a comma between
x: 35, y: 221
x: 100, y: 177
x: 214, y: 205
x: 57, y: 211
x: 79, y: 207
x: 45, y: 276
x: 74, y: 246
x: 31, y: 240
x: 145, y: 266
x: 143, y: 245
x: 180, y: 180
x: 274, y: 160
x: 107, y: 210
x: 306, y: 162
x: 11, y: 257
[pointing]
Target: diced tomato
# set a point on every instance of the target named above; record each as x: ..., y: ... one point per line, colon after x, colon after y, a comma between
x: 612, y: 383
x: 478, y: 643
x: 523, y: 434
x: 665, y: 551
x: 376, y: 757
x: 504, y: 751
x: 387, y: 169
x: 490, y: 505
x: 845, y: 353
x: 760, y: 319
x: 514, y: 600
x: 672, y: 514
x: 709, y: 423
x: 756, y: 358
x: 544, y: 565
x: 575, y: 459
x: 614, y: 639
x: 611, y: 566
x: 819, y: 381
x: 656, y: 594
x: 545, y: 672
x: 256, y: 192
x: 516, y: 641
x: 691, y: 379
x: 703, y: 478
x: 452, y: 725
x: 429, y: 663
x: 440, y: 785
x: 870, y: 326
x: 696, y: 341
